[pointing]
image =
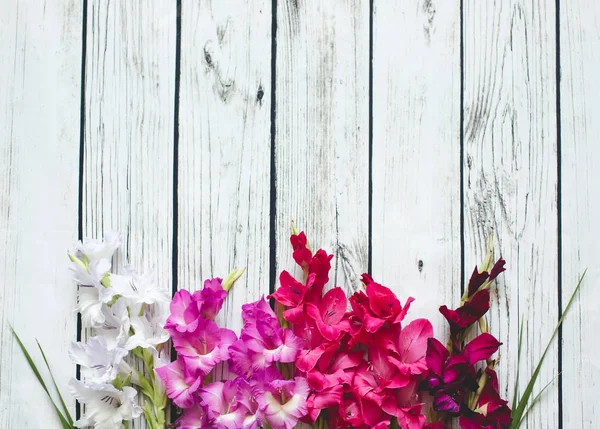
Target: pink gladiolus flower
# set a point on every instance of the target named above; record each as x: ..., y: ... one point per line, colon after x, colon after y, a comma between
x: 409, y: 350
x: 302, y: 255
x: 202, y: 349
x: 180, y: 386
x: 329, y: 315
x: 192, y: 418
x: 283, y: 402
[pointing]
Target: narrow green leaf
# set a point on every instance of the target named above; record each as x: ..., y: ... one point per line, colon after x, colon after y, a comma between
x: 516, y: 391
x: 65, y: 424
x: 60, y: 398
x: 517, y: 413
x: 537, y: 398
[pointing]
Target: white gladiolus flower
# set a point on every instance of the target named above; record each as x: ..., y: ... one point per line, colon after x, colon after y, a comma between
x: 96, y: 250
x: 91, y: 275
x: 148, y: 328
x: 99, y: 363
x: 106, y: 407
x: 90, y: 307
x: 115, y: 328
x: 135, y: 288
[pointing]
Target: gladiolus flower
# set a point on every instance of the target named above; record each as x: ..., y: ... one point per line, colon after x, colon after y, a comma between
x: 202, y: 349
x: 283, y: 402
x: 469, y: 313
x: 180, y: 386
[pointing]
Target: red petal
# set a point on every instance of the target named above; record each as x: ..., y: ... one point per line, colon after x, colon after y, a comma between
x: 481, y: 348
x: 436, y: 356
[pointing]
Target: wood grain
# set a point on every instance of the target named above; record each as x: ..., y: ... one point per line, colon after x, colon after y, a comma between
x: 39, y: 160
x: 224, y: 151
x: 580, y: 62
x: 321, y: 140
x: 128, y: 153
x: 416, y: 154
x: 510, y: 178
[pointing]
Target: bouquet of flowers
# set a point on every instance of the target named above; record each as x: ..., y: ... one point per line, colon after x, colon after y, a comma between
x: 315, y: 356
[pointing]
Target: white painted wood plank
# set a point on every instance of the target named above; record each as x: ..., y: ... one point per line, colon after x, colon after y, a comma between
x: 416, y: 154
x: 322, y: 120
x: 224, y: 149
x: 510, y: 177
x: 39, y: 160
x: 580, y: 65
x: 128, y: 164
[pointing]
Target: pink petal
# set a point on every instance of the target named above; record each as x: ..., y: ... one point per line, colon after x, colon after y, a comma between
x: 333, y: 306
x: 412, y: 344
x: 192, y: 418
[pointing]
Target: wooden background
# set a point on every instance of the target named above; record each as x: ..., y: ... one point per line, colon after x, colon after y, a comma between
x: 398, y: 135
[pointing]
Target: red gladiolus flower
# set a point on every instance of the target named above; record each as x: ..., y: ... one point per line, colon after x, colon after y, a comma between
x: 378, y: 306
x: 477, y: 278
x: 469, y: 313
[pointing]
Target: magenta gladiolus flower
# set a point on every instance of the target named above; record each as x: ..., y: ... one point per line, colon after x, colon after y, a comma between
x: 220, y: 401
x: 211, y: 297
x: 230, y: 405
x: 202, y: 349
x: 192, y: 418
x: 180, y: 386
x: 184, y: 312
x: 263, y: 335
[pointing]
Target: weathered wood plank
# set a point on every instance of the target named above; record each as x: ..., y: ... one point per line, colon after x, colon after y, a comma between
x: 128, y: 153
x: 510, y: 177
x: 321, y: 138
x: 416, y: 153
x: 224, y: 148
x: 580, y: 64
x: 39, y: 160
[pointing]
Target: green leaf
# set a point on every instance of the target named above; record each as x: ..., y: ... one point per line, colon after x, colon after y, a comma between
x: 65, y: 424
x: 145, y: 385
x: 516, y: 391
x: 518, y: 412
x: 149, y: 416
x: 60, y: 398
x: 537, y: 398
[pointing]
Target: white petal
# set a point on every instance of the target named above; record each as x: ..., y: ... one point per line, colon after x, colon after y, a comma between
x: 90, y: 307
x: 96, y: 249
